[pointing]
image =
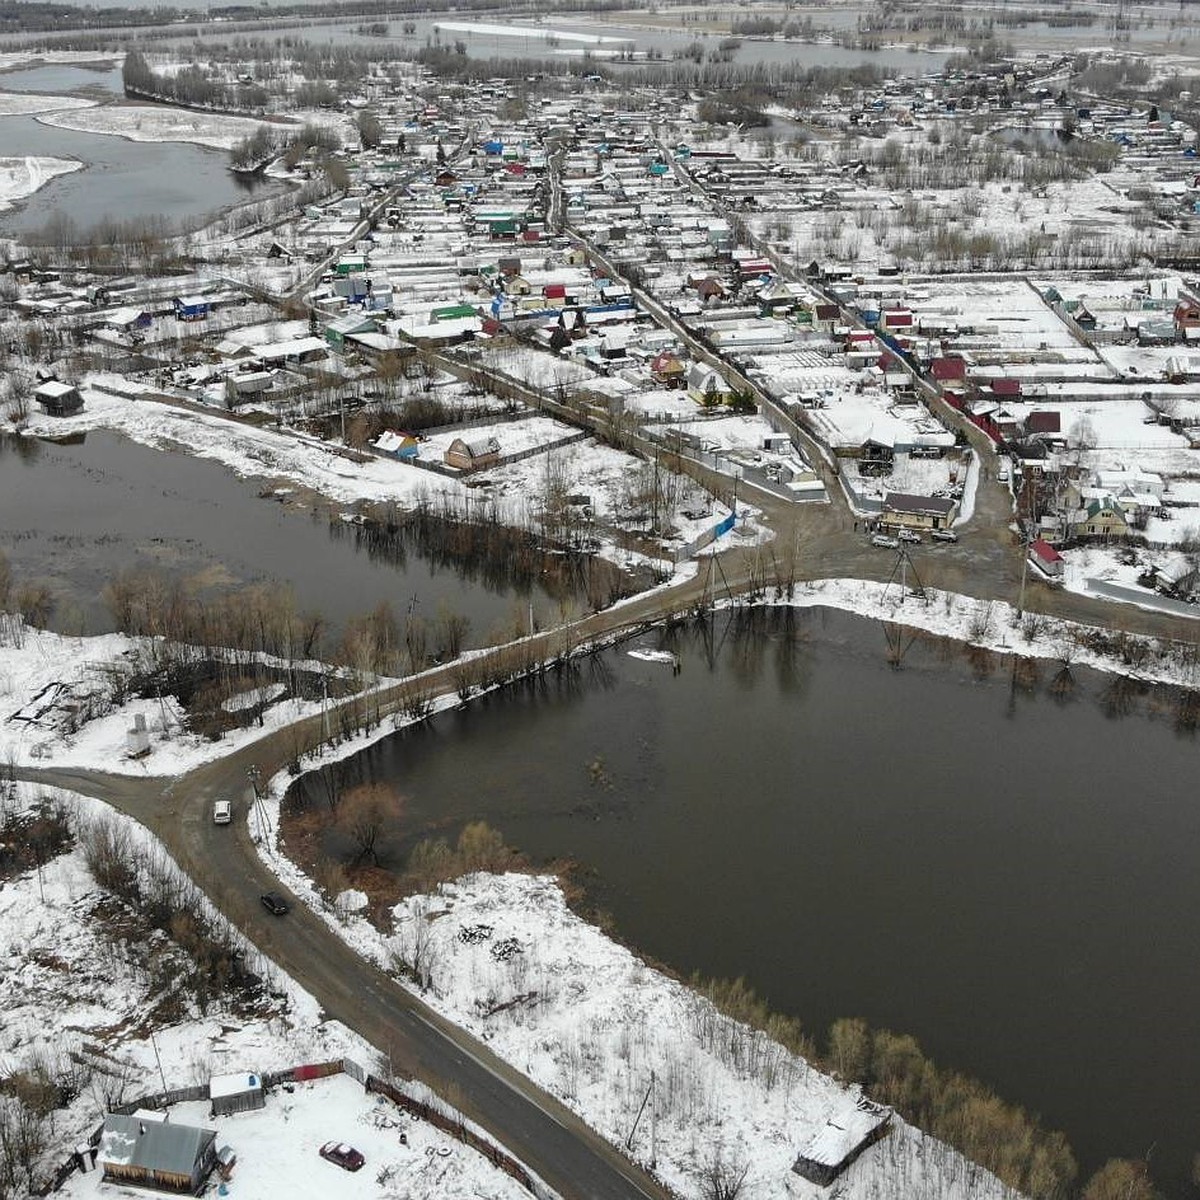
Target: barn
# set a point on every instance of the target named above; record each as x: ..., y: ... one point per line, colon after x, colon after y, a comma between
x: 242, y: 1092
x: 158, y: 1155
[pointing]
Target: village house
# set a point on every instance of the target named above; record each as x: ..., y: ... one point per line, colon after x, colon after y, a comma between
x: 668, y: 370
x: 474, y: 455
x: 398, y: 445
x: 1177, y: 576
x: 1047, y: 560
x: 128, y: 321
x: 905, y: 511
x: 190, y: 308
x: 58, y: 399
x: 142, y: 1152
x: 707, y: 386
x: 1099, y: 518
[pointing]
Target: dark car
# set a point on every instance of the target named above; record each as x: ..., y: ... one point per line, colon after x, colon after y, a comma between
x: 273, y: 902
x: 345, y: 1156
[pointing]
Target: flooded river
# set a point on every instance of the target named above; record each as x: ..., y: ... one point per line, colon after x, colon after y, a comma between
x: 180, y: 183
x: 72, y: 515
x: 1004, y: 872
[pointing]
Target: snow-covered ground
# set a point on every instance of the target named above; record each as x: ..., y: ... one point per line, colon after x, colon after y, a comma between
x: 584, y: 1017
x: 44, y: 677
x: 277, y: 1150
x: 21, y: 177
x: 70, y: 987
x: 25, y: 104
x: 156, y: 124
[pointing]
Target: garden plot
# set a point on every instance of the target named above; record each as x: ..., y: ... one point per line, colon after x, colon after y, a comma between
x: 1005, y: 317
x: 801, y: 373
x: 851, y: 418
x: 1118, y: 425
x: 537, y: 368
x: 277, y: 1150
x: 608, y: 487
x: 512, y: 437
x: 660, y: 402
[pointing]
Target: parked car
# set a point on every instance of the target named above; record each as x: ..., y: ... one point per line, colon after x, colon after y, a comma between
x: 943, y: 535
x: 910, y: 536
x: 887, y: 543
x: 222, y: 812
x: 274, y: 903
x: 345, y: 1156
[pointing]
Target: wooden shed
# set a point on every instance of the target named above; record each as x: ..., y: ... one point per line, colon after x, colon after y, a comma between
x: 847, y: 1132
x: 162, y: 1155
x: 474, y: 455
x: 240, y: 1092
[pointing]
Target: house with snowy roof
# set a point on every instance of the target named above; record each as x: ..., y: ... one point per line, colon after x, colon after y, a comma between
x: 1099, y: 517
x: 154, y: 1154
x: 707, y: 386
x: 58, y: 399
x: 910, y: 511
x: 1047, y: 560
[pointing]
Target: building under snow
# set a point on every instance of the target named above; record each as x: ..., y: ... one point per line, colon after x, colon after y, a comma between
x: 844, y: 1136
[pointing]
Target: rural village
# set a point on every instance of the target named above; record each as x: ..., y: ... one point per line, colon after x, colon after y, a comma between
x: 646, y: 331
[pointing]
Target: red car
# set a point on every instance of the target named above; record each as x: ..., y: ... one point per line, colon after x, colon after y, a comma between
x: 345, y: 1156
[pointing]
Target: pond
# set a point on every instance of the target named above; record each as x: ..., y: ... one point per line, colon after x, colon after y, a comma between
x: 999, y: 864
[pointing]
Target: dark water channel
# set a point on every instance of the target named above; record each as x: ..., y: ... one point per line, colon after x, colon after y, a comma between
x: 73, y: 515
x: 1006, y: 874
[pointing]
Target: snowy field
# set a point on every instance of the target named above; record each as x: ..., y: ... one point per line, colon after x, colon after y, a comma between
x: 156, y: 124
x: 16, y: 60
x: 21, y: 177
x: 540, y: 32
x: 514, y: 492
x: 244, y: 449
x: 25, y: 104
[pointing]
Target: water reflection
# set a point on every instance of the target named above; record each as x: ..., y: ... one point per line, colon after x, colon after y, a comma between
x: 789, y: 792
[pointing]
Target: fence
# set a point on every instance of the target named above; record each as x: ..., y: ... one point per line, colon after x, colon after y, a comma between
x: 455, y: 1128
x: 449, y: 1124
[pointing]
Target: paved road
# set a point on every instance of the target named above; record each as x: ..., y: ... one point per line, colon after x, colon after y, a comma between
x: 822, y: 541
x: 225, y: 864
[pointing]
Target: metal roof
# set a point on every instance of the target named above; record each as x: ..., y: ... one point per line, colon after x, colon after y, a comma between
x: 128, y: 1141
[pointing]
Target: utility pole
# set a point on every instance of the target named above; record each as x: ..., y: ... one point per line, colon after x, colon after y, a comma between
x: 154, y: 1047
x: 1024, y: 574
